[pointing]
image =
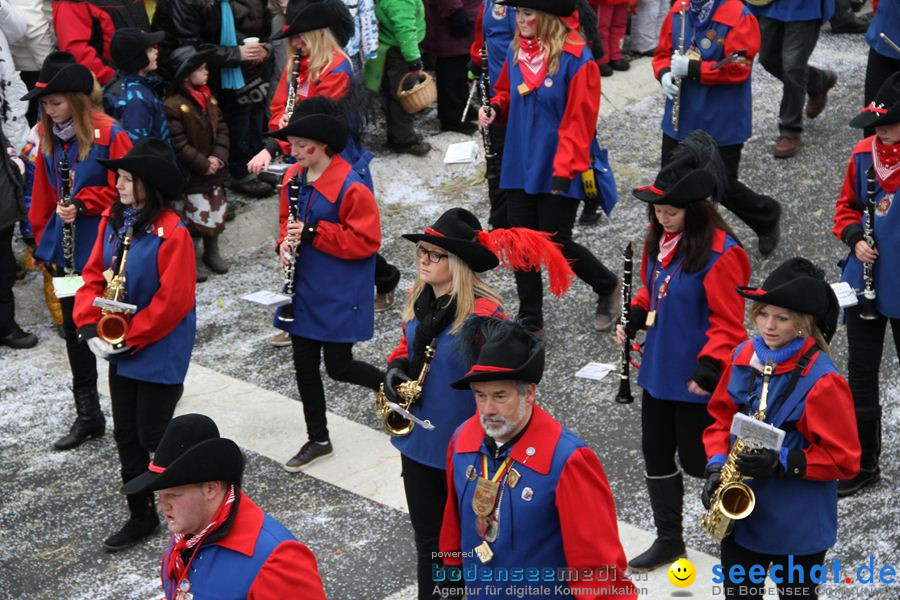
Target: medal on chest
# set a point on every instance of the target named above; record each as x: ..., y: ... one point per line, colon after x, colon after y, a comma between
x: 486, y: 502
x: 485, y: 496
x: 660, y: 295
x: 884, y: 205
x: 184, y: 590
x: 499, y: 11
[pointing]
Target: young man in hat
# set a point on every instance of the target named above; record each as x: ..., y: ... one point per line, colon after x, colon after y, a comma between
x: 138, y: 107
x: 222, y: 542
x: 524, y: 492
x: 878, y: 156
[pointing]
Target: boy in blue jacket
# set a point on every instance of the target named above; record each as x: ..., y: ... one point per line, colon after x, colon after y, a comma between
x: 139, y: 108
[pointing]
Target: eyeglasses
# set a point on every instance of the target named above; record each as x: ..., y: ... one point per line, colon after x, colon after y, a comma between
x: 433, y: 256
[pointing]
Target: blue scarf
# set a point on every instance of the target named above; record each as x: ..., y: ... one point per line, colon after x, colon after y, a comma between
x: 781, y: 354
x: 129, y: 216
x: 232, y: 78
x: 701, y: 13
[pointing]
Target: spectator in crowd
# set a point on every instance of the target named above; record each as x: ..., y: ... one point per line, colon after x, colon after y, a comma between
x: 138, y: 108
x: 12, y: 109
x: 612, y: 22
x: 645, y: 26
x: 883, y: 59
x: 30, y: 50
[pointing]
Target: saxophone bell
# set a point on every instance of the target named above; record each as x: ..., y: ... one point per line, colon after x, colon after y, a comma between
x: 408, y: 393
x: 113, y: 324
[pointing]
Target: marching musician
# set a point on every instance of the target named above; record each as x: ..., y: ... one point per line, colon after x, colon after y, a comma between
x: 865, y: 336
x: 524, y: 492
x: 714, y: 97
x: 147, y: 368
x: 248, y: 554
x: 548, y: 93
x: 71, y: 125
x: 794, y: 519
x: 332, y: 243
x: 884, y: 59
x: 691, y: 263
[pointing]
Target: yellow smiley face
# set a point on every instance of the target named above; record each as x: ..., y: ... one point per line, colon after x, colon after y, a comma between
x: 682, y: 573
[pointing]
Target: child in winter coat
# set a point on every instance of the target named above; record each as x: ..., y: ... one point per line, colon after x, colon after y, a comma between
x: 200, y: 139
x: 138, y: 107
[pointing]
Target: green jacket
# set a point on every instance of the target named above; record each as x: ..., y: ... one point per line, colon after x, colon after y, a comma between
x: 401, y: 24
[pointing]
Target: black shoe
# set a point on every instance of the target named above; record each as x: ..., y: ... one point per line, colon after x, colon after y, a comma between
x: 90, y: 422
x: 200, y: 266
x: 590, y: 213
x: 608, y: 308
x: 850, y: 24
x: 620, y: 64
x: 865, y: 478
x: 769, y: 240
x: 19, y: 339
x: 416, y: 148
x: 211, y: 256
x: 143, y: 522
x: 666, y: 500
x: 467, y: 128
x: 252, y: 187
x: 659, y: 554
x: 606, y: 70
x: 309, y: 453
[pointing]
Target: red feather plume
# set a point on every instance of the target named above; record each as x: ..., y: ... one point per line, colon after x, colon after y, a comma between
x: 522, y: 249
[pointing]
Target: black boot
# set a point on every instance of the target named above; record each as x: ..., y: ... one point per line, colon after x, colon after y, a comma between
x: 211, y: 255
x: 666, y: 499
x: 870, y: 443
x: 90, y: 422
x: 590, y: 214
x: 202, y: 273
x: 144, y: 521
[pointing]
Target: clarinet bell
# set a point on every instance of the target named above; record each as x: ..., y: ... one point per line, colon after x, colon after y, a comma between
x: 624, y: 395
x: 867, y: 310
x: 286, y: 315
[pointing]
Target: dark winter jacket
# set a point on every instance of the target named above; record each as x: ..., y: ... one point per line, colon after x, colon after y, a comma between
x: 196, y: 135
x: 12, y: 201
x: 444, y: 24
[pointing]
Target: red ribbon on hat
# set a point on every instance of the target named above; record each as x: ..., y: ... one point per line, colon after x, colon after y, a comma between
x: 652, y: 188
x: 40, y: 84
x: 435, y: 232
x: 155, y: 468
x: 878, y: 109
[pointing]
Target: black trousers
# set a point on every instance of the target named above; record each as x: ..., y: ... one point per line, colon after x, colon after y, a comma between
x: 246, y: 124
x: 339, y: 365
x: 669, y: 427
x: 497, y: 196
x: 785, y: 52
x: 556, y: 215
x: 82, y: 361
x: 865, y: 341
x: 426, y: 495
x: 734, y: 554
x: 141, y: 411
x: 878, y: 68
x: 399, y: 123
x: 7, y: 281
x: 758, y: 211
x: 452, y: 87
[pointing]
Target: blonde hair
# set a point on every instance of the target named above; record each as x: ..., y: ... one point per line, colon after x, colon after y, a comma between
x: 82, y: 109
x: 322, y: 45
x: 801, y: 321
x: 465, y: 286
x: 552, y: 34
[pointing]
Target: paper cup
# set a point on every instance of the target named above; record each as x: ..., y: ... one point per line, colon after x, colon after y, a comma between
x: 251, y: 41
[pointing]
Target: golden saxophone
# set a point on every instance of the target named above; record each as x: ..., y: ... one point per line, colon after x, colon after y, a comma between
x: 733, y: 499
x: 407, y: 393
x: 113, y: 325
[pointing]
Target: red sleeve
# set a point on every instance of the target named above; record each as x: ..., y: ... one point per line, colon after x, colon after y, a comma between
x: 402, y: 349
x: 289, y: 572
x: 642, y: 298
x: 175, y: 297
x: 74, y: 26
x: 501, y: 93
x: 333, y: 85
x: 579, y: 123
x: 358, y: 233
x: 590, y: 534
x: 829, y: 423
x: 97, y: 198
x: 743, y: 36
x: 662, y: 58
x: 43, y: 198
x: 717, y: 437
x: 846, y: 210
x: 84, y: 312
x: 726, y: 307
x: 875, y: 7
x: 477, y: 42
x: 450, y: 542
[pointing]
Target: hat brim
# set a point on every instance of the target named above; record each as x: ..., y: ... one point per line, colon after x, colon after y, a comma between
x: 696, y: 185
x: 72, y: 78
x: 210, y: 460
x: 479, y: 258
x: 159, y: 173
x: 868, y: 118
x: 797, y: 295
x: 532, y: 372
x: 193, y: 62
x: 562, y: 8
x: 320, y: 127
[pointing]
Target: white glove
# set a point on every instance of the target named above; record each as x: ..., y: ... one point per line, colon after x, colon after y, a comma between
x: 670, y: 88
x: 680, y: 64
x: 100, y: 348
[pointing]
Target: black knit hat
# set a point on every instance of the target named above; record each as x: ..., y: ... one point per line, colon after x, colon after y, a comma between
x: 560, y: 8
x: 695, y: 172
x: 61, y: 73
x: 128, y: 48
x: 799, y: 285
x: 457, y: 231
x: 185, y: 60
x: 191, y: 451
x: 884, y: 109
x: 152, y: 160
x: 309, y: 15
x: 500, y: 350
x: 315, y: 119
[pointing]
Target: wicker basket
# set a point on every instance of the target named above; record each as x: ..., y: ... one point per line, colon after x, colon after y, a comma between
x: 421, y: 96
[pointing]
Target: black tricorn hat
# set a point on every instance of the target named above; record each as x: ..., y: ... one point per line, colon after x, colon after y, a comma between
x: 799, y: 285
x: 187, y: 59
x: 695, y: 172
x: 61, y: 73
x: 457, y: 231
x: 191, y: 451
x: 152, y: 160
x: 884, y: 109
x: 128, y: 48
x: 505, y: 351
x: 560, y: 8
x: 316, y: 119
x: 308, y: 15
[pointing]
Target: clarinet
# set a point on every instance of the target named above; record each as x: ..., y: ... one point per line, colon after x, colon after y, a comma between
x: 624, y: 395
x: 292, y: 88
x: 676, y: 102
x: 867, y: 305
x: 287, y: 311
x: 492, y: 169
x: 68, y: 241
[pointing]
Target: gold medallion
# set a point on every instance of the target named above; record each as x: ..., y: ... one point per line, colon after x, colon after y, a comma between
x: 485, y: 496
x: 484, y: 553
x: 513, y: 477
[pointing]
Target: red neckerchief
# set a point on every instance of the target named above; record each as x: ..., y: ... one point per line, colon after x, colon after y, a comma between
x: 304, y: 70
x: 200, y: 94
x: 667, y: 246
x: 887, y: 164
x: 532, y: 63
x: 176, y: 569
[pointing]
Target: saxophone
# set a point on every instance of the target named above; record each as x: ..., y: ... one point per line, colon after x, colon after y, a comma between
x: 407, y: 393
x: 292, y: 88
x: 733, y: 499
x: 113, y: 325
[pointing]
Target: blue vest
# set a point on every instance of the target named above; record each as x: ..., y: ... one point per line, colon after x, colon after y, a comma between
x: 796, y: 10
x: 140, y: 111
x: 532, y: 133
x: 887, y: 21
x: 498, y: 28
x: 887, y: 238
x: 82, y: 174
x: 333, y: 299
x: 679, y: 333
x: 724, y: 111
x: 792, y: 515
x: 167, y: 360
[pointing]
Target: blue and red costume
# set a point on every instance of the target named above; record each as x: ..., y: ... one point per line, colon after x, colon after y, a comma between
x: 494, y: 28
x: 790, y: 11
x: 887, y: 21
x: 559, y: 514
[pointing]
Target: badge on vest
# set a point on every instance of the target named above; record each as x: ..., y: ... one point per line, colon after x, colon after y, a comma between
x: 884, y: 205
x: 523, y: 89
x: 705, y: 44
x: 499, y: 12
x: 548, y: 83
x: 484, y: 553
x: 527, y: 494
